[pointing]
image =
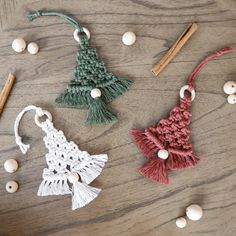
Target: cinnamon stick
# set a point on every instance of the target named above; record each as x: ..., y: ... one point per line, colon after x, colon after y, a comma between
x: 6, y: 91
x: 174, y: 49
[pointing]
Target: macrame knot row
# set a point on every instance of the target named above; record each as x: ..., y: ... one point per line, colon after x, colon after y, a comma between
x: 167, y: 146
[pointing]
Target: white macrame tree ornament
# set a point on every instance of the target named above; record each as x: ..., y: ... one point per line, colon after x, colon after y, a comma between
x: 69, y: 170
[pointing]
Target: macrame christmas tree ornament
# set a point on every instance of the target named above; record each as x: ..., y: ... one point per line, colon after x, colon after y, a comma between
x: 92, y: 86
x: 167, y: 146
x: 70, y: 170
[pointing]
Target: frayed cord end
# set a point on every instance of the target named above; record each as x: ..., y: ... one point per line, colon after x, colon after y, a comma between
x: 23, y: 147
x: 224, y: 50
x: 33, y: 15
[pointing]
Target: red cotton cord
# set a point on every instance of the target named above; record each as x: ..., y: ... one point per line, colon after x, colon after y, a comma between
x: 171, y: 135
x: 205, y: 61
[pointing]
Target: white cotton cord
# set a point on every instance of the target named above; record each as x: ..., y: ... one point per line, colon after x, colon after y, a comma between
x: 54, y: 187
x: 91, y: 167
x: 68, y: 164
x: 70, y: 170
x: 24, y: 147
x: 83, y: 194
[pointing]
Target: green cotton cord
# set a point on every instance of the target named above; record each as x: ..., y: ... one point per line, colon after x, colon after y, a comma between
x: 35, y: 14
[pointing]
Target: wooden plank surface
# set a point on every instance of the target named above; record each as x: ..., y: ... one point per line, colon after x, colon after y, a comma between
x: 129, y: 204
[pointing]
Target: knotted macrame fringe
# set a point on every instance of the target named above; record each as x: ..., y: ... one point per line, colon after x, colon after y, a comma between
x: 177, y: 161
x: 145, y: 145
x: 82, y: 194
x: 80, y: 99
x: 53, y: 187
x: 93, y: 168
x: 74, y: 97
x: 109, y: 93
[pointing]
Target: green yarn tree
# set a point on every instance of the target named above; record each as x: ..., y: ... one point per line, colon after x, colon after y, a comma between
x: 91, y: 73
x: 92, y: 86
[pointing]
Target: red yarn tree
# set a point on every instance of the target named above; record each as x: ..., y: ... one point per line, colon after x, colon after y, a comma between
x: 166, y: 146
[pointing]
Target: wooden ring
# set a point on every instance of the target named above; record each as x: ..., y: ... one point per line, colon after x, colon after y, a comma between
x: 76, y: 34
x: 184, y: 88
x: 37, y: 118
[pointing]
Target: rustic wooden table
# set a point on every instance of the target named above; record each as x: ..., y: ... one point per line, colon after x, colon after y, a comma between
x: 129, y: 203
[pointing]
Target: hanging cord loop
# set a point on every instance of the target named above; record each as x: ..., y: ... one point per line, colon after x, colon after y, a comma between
x: 191, y: 79
x: 36, y: 14
x: 80, y: 38
x: 39, y: 113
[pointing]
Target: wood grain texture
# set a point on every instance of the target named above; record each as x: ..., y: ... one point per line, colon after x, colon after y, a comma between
x: 129, y: 204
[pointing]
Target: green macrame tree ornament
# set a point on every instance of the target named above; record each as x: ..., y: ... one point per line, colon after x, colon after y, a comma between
x: 92, y: 86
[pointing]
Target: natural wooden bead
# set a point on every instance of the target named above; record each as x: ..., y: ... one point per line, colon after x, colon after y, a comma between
x: 33, y: 48
x: 194, y: 212
x: 19, y: 45
x: 231, y: 99
x: 230, y: 87
x: 181, y: 222
x: 73, y: 177
x: 95, y: 93
x: 12, y: 186
x: 163, y: 154
x: 129, y: 38
x: 11, y: 165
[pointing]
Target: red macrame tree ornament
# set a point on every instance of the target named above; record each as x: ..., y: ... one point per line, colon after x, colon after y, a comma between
x: 166, y: 146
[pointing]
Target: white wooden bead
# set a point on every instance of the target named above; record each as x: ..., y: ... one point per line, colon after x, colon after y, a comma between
x: 95, y: 93
x: 11, y: 165
x: 19, y: 45
x: 181, y: 222
x: 163, y: 154
x: 12, y: 186
x: 33, y: 48
x: 128, y: 38
x: 73, y: 177
x: 194, y: 212
x: 231, y: 99
x: 230, y: 87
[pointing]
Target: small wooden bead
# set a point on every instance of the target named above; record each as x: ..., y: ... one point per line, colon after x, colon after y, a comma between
x: 11, y: 165
x: 95, y: 93
x: 128, y: 38
x: 230, y: 87
x: 73, y: 177
x: 181, y: 222
x: 163, y: 154
x: 194, y: 212
x: 33, y: 48
x: 231, y: 99
x: 12, y: 186
x: 19, y: 45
